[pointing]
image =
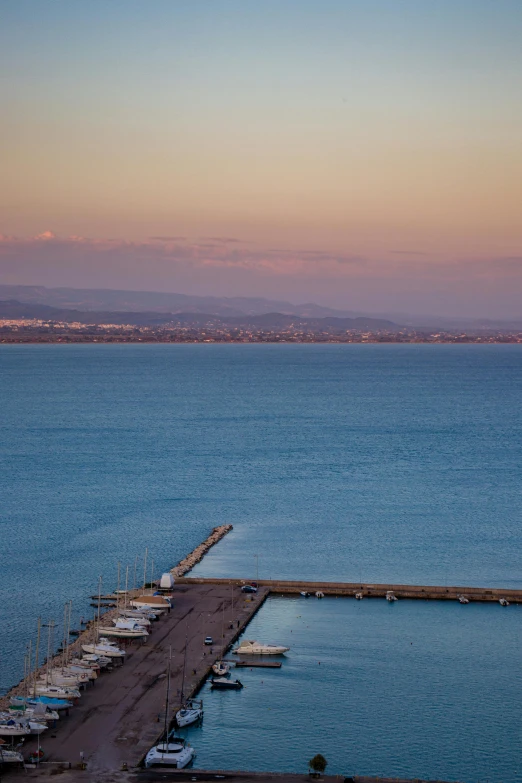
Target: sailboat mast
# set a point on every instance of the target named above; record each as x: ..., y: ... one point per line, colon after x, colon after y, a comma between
x: 99, y: 603
x: 145, y: 568
x: 126, y: 585
x: 29, y: 667
x: 68, y: 634
x: 36, y: 653
x: 64, y: 640
x: 165, y: 727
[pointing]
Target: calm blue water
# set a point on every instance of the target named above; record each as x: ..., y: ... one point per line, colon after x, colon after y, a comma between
x: 424, y: 689
x: 386, y: 463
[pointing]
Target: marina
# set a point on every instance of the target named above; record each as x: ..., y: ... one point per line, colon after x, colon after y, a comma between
x: 118, y: 724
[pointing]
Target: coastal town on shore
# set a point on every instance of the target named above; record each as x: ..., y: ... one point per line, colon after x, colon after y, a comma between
x: 40, y: 331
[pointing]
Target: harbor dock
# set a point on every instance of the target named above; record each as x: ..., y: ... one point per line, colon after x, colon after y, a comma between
x: 118, y: 719
x: 350, y: 589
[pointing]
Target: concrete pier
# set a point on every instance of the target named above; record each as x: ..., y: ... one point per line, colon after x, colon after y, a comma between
x: 349, y: 589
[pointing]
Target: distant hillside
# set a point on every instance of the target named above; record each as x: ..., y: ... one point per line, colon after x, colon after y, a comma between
x: 14, y: 309
x: 154, y: 301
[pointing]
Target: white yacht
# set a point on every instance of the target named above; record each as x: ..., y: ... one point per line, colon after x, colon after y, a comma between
x: 191, y: 712
x: 250, y: 647
x: 463, y: 599
x: 319, y: 594
x: 176, y: 752
x: 391, y: 597
x: 359, y: 596
x: 221, y: 668
x: 503, y: 602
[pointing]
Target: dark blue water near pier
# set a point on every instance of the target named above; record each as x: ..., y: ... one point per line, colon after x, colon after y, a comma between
x: 382, y: 463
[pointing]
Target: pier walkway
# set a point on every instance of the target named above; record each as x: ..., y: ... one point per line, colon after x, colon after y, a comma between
x: 349, y: 589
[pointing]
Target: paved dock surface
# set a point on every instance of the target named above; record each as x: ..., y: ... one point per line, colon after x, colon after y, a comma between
x: 116, y: 720
x: 349, y: 589
x: 157, y: 775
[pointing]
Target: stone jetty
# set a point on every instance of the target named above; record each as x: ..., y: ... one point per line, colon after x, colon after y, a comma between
x: 197, y: 554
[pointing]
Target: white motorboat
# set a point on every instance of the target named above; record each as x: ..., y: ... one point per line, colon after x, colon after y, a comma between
x: 250, y: 647
x: 191, y: 712
x: 131, y: 622
x: 319, y: 594
x: 391, y: 597
x: 359, y: 596
x: 463, y: 599
x: 221, y: 668
x: 10, y: 757
x: 103, y: 648
x: 56, y: 692
x: 126, y: 633
x: 503, y: 602
x: 305, y: 594
x: 176, y: 752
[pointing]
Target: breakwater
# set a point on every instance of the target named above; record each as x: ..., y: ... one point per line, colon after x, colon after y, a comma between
x: 197, y: 554
x: 351, y: 589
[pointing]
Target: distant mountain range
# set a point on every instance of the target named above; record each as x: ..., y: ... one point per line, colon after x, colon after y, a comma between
x: 144, y: 307
x: 13, y: 309
x: 153, y: 301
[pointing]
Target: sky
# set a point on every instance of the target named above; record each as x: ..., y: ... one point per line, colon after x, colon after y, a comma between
x: 362, y: 154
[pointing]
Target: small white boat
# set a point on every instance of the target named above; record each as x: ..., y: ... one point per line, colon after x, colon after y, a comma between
x: 91, y: 671
x: 221, y: 668
x: 305, y: 594
x: 225, y: 684
x: 503, y: 602
x: 359, y: 596
x: 319, y: 594
x: 146, y: 612
x: 37, y: 727
x: 191, y: 712
x: 104, y: 648
x: 9, y: 727
x: 131, y: 622
x: 57, y: 692
x: 10, y: 757
x: 155, y: 603
x: 101, y: 661
x: 126, y: 633
x: 176, y: 752
x: 250, y: 647
x: 39, y: 712
x: 391, y: 597
x: 463, y: 599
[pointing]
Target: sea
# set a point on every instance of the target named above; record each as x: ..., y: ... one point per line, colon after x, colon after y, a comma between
x: 380, y: 463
